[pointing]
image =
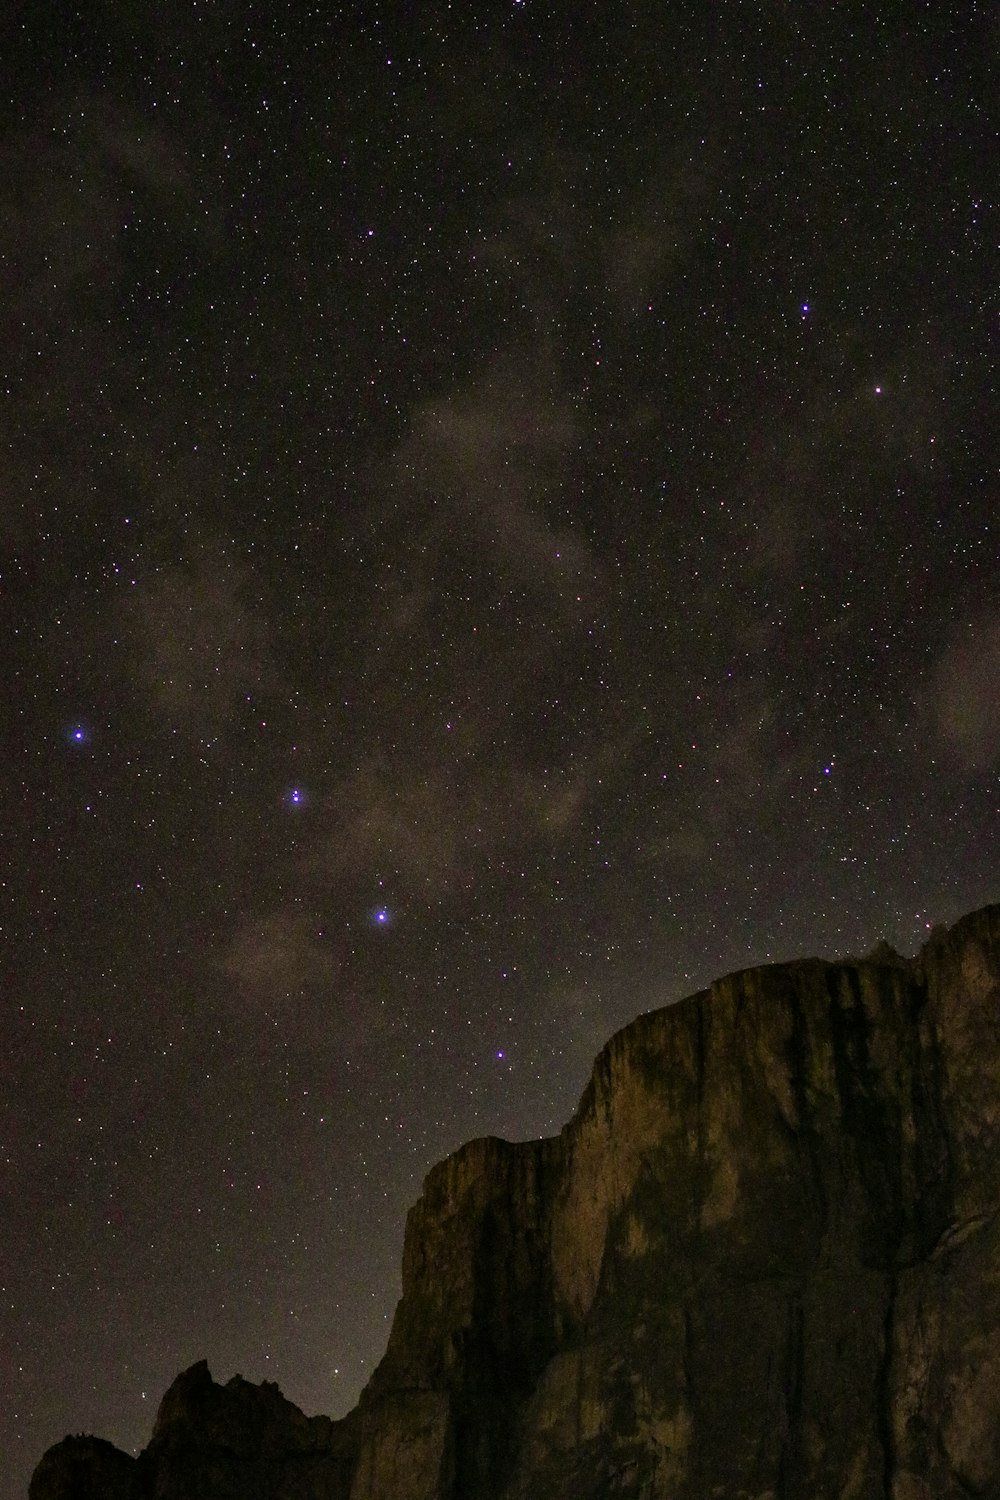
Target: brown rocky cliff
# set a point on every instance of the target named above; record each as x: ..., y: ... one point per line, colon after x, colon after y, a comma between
x: 761, y: 1261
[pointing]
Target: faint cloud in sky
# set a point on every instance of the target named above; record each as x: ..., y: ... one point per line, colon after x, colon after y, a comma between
x: 966, y: 694
x: 278, y: 954
x: 486, y: 456
x: 200, y: 640
x: 77, y: 183
x: 294, y: 977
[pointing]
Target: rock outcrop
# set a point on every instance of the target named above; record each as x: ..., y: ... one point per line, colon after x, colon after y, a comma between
x: 762, y: 1261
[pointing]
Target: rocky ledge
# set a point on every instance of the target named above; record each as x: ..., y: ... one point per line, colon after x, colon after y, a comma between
x: 762, y: 1261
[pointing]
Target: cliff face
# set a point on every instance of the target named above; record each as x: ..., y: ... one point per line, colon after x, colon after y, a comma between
x: 763, y: 1260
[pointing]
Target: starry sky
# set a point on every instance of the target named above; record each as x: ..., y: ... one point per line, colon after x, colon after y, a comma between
x: 498, y: 527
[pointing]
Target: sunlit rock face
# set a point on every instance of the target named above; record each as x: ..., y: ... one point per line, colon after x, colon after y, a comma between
x: 763, y: 1260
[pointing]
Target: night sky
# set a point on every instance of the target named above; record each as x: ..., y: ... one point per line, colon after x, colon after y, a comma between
x: 498, y: 528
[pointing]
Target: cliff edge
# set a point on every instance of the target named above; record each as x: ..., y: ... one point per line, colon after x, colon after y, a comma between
x: 762, y: 1260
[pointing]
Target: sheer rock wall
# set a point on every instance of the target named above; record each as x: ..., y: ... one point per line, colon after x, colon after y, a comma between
x: 763, y: 1260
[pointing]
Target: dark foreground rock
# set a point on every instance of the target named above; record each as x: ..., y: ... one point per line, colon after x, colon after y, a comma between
x: 762, y: 1261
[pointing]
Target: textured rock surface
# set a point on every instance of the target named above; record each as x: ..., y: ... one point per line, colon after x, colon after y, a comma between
x: 762, y: 1261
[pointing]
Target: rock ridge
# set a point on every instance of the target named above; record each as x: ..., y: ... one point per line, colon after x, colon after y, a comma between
x: 762, y: 1260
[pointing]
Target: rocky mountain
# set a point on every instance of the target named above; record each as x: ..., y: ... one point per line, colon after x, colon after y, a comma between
x: 762, y: 1261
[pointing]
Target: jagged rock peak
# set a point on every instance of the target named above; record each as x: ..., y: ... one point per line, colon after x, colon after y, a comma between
x: 762, y: 1260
